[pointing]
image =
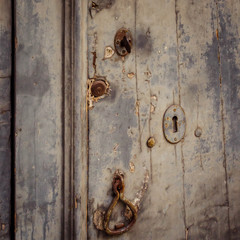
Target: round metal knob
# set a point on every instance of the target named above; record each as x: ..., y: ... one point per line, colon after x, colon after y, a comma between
x: 98, y: 88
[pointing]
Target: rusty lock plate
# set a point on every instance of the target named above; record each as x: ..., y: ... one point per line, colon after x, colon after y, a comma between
x: 123, y: 42
x: 174, y: 124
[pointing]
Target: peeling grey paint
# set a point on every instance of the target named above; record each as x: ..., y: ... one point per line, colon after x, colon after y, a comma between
x: 5, y: 119
x: 176, y: 55
x: 39, y: 121
x: 184, y: 52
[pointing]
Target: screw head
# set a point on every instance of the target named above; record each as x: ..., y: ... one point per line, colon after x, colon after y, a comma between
x: 198, y: 132
x: 98, y: 88
x: 151, y: 142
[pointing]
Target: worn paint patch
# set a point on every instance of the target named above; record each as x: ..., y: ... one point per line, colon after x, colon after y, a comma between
x: 131, y: 75
x: 137, y: 105
x: 131, y: 167
x: 32, y: 83
x: 5, y: 50
x: 5, y: 119
x: 148, y: 74
x: 97, y: 6
x: 140, y: 194
x: 98, y: 219
x: 152, y: 108
x: 144, y: 43
x: 230, y: 71
x: 108, y: 52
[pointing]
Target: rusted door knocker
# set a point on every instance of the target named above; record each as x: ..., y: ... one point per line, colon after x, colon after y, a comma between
x: 118, y: 189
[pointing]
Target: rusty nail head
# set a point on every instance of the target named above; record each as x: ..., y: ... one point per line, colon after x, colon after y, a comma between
x: 151, y: 142
x: 98, y: 88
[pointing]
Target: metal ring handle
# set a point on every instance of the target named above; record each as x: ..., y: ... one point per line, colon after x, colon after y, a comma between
x: 118, y: 189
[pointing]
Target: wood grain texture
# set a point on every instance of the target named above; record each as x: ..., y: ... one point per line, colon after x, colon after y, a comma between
x: 186, y: 53
x: 5, y: 118
x: 228, y: 18
x: 113, y: 123
x: 5, y: 39
x: 157, y: 71
x: 120, y: 124
x: 204, y: 185
x: 80, y: 121
x: 44, y: 160
x: 68, y: 121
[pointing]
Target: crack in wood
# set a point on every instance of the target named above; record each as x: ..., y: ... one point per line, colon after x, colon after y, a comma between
x: 222, y: 119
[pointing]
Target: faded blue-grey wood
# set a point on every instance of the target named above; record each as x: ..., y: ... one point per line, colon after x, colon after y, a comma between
x: 120, y: 124
x: 184, y: 52
x: 205, y: 191
x: 43, y: 121
x: 5, y: 118
x: 229, y: 78
x: 80, y: 120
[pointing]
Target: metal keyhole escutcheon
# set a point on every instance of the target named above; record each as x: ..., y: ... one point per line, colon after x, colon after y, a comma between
x: 174, y: 124
x: 118, y: 190
x: 123, y: 42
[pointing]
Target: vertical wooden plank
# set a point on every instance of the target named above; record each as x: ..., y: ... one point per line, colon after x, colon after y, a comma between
x: 206, y: 196
x: 113, y: 126
x: 132, y: 113
x: 158, y: 88
x: 5, y: 158
x: 5, y: 39
x: 228, y: 16
x: 178, y: 57
x: 80, y: 121
x: 5, y: 118
x: 39, y: 136
x: 68, y: 119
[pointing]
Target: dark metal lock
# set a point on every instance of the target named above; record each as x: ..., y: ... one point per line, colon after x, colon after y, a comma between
x: 123, y: 42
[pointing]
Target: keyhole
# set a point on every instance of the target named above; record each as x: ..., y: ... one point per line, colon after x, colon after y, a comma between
x: 175, y: 124
x: 124, y: 43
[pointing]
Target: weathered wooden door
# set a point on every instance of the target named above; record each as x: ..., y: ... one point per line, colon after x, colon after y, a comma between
x: 184, y: 53
x: 82, y: 112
